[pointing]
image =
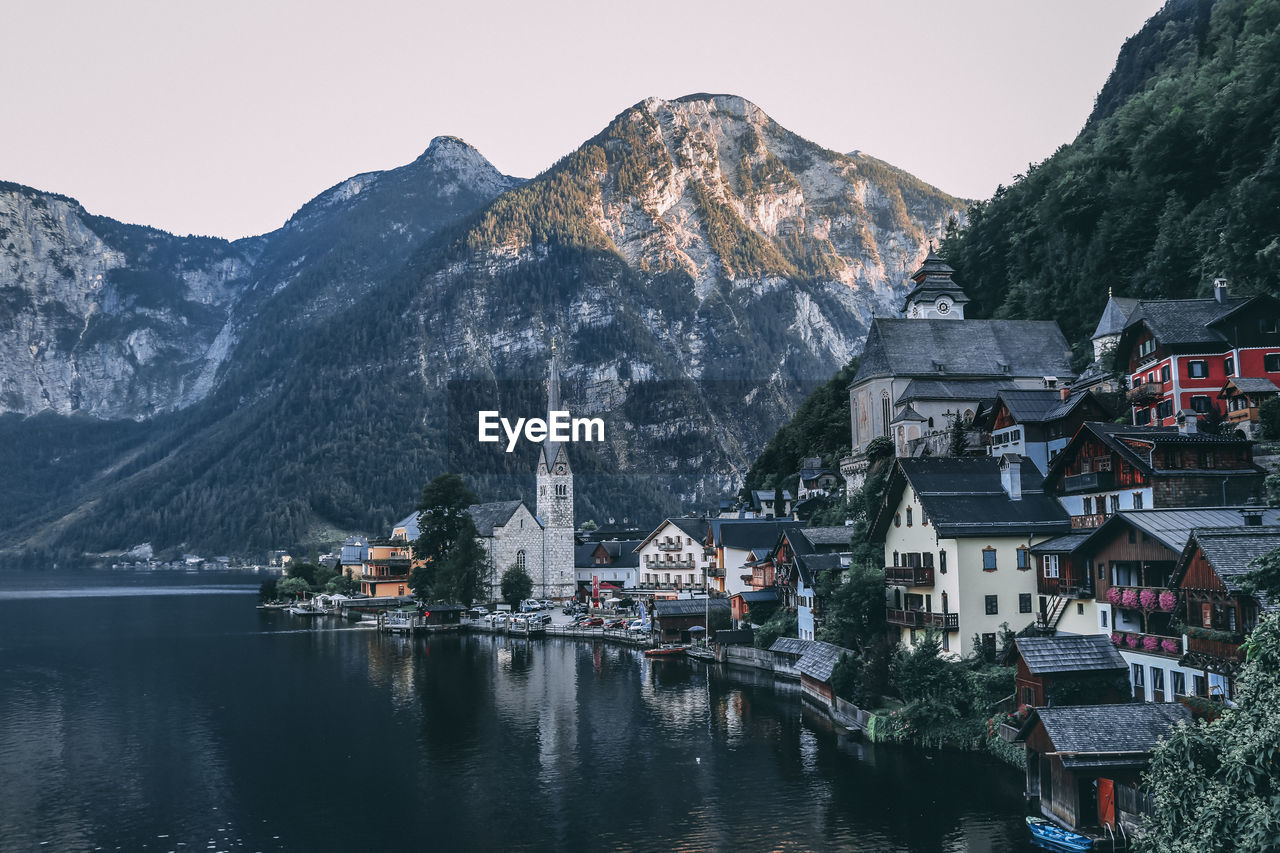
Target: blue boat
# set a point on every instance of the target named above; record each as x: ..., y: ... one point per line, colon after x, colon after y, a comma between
x: 1057, y: 837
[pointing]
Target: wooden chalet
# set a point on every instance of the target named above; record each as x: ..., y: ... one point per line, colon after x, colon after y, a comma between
x: 1218, y: 614
x: 1070, y: 670
x: 1038, y: 422
x: 1242, y: 396
x: 674, y: 618
x: 740, y: 603
x: 1085, y: 763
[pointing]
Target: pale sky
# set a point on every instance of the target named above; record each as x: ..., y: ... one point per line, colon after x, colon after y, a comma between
x: 224, y: 117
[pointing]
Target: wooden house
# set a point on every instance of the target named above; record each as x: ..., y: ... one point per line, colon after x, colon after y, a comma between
x: 816, y: 662
x: 1038, y: 422
x: 1084, y: 763
x: 1242, y: 397
x: 674, y: 618
x: 740, y: 603
x: 1217, y: 613
x: 1070, y: 669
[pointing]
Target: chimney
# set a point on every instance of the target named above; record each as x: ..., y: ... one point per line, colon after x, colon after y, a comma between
x: 1188, y: 421
x: 1011, y: 475
x: 1220, y: 290
x: 1065, y: 394
x: 1252, y: 514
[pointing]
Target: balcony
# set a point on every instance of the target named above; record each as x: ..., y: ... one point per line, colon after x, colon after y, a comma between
x: 1220, y: 649
x: 1094, y: 481
x: 668, y: 565
x: 1148, y: 644
x: 1088, y: 522
x: 1249, y: 414
x: 1145, y: 392
x: 714, y: 572
x: 921, y: 619
x: 668, y: 545
x: 909, y: 575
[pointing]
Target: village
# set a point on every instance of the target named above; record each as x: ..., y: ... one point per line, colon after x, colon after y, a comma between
x: 1006, y: 514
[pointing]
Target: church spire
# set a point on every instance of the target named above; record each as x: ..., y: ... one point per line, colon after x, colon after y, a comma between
x: 551, y: 449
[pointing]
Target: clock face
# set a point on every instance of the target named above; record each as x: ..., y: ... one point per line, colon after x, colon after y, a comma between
x: 944, y: 305
x: 560, y: 469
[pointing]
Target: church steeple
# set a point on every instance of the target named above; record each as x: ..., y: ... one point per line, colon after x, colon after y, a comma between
x: 551, y: 449
x: 934, y: 295
x: 555, y: 501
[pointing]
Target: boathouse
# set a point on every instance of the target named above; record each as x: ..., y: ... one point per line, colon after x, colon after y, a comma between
x: 1070, y: 670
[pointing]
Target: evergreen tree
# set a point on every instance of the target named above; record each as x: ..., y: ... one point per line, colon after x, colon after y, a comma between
x: 516, y: 585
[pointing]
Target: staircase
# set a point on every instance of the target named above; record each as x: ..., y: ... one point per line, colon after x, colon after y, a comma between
x: 1049, y: 619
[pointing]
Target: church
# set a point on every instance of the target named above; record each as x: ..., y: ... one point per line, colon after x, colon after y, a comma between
x: 540, y: 542
x: 920, y: 371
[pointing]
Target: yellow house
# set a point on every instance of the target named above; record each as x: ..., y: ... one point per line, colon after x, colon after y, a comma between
x: 386, y: 568
x: 957, y: 536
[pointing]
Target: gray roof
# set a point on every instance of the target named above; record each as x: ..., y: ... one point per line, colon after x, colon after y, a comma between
x: 963, y: 496
x: 838, y: 535
x: 752, y: 596
x: 694, y: 528
x: 951, y: 390
x: 1118, y: 436
x: 1115, y: 316
x: 976, y: 348
x: 1254, y: 385
x: 1172, y: 527
x: 622, y: 554
x: 488, y: 516
x: 811, y: 565
x: 750, y: 533
x: 1068, y: 653
x: 688, y: 606
x: 1039, y: 405
x: 820, y: 659
x: 1231, y: 551
x: 908, y: 413
x: 1087, y: 736
x: 790, y: 645
x: 1063, y: 544
x: 1183, y: 322
x: 410, y: 525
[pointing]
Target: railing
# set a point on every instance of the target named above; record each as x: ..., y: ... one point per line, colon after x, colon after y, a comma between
x: 384, y: 578
x: 1145, y: 391
x: 921, y: 619
x: 715, y: 572
x: 665, y: 565
x: 1148, y: 644
x: 669, y: 546
x: 1213, y: 648
x: 909, y: 575
x: 1239, y: 415
x: 1094, y: 481
x: 1088, y: 522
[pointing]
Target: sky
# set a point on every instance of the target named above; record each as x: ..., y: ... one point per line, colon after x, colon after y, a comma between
x: 223, y: 118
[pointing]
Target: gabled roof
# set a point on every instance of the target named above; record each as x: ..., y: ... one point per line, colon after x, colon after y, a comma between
x: 747, y: 534
x: 1068, y: 544
x: 908, y: 414
x: 1091, y: 736
x: 1231, y: 552
x: 488, y: 516
x: 973, y: 348
x: 809, y: 566
x: 754, y: 596
x: 688, y: 606
x: 622, y: 554
x: 1115, y: 316
x: 790, y: 646
x: 963, y: 496
x: 410, y: 525
x: 1042, y: 405
x: 760, y: 495
x: 1069, y: 653
x: 817, y: 659
x: 820, y: 536
x: 694, y: 528
x: 1135, y: 444
x: 954, y: 390
x: 1183, y: 322
x: 1252, y: 385
x: 814, y: 473
x: 1172, y: 527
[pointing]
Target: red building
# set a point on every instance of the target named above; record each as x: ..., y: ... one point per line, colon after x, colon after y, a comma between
x: 1179, y: 353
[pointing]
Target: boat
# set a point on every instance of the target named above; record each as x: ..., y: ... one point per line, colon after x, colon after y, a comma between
x: 665, y: 651
x: 298, y: 610
x: 1057, y: 837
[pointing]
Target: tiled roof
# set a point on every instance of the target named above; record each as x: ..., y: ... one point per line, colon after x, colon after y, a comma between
x: 819, y: 660
x: 1067, y: 653
x: 688, y: 606
x: 1107, y: 735
x: 622, y: 554
x: 1039, y: 405
x: 1254, y: 385
x: 811, y: 565
x: 953, y: 389
x: 1172, y: 527
x: 963, y: 496
x: 750, y: 533
x: 908, y: 413
x: 819, y: 536
x: 1118, y: 438
x: 1115, y: 316
x: 1181, y: 322
x: 754, y: 596
x: 489, y: 516
x: 790, y: 645
x: 976, y: 348
x: 1231, y: 550
x: 1062, y: 544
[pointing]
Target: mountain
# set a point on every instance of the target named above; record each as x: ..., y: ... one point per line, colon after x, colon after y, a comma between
x: 1173, y: 181
x: 699, y: 266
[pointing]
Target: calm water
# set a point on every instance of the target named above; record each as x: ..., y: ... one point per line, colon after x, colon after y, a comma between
x: 154, y: 713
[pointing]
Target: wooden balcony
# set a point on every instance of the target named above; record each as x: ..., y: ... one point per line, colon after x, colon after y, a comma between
x: 1213, y: 648
x: 908, y: 575
x: 921, y: 619
x: 1145, y: 392
x: 1093, y: 481
x: 1088, y: 522
x: 1242, y: 415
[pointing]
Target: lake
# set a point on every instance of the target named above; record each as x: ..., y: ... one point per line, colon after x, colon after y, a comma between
x: 164, y: 712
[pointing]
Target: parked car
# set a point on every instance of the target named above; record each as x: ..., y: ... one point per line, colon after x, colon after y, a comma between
x: 636, y: 626
x: 497, y: 619
x: 540, y: 619
x: 519, y: 621
x: 478, y: 612
x: 616, y: 624
x: 591, y: 622
x: 546, y: 604
x: 529, y: 605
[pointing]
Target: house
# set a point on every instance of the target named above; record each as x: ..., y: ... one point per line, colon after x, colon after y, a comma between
x: 351, y: 559
x: 815, y: 480
x: 957, y: 536
x: 1085, y: 762
x: 800, y: 556
x: 1132, y: 560
x: 614, y: 562
x: 386, y: 568
x: 1242, y: 397
x: 1218, y: 614
x: 1106, y: 468
x: 816, y: 662
x: 739, y: 550
x: 1069, y: 670
x: 512, y: 536
x: 1178, y: 353
x: 442, y: 614
x: 763, y: 500
x: 1101, y: 374
x: 918, y: 374
x: 1064, y: 584
x: 672, y: 558
x: 809, y: 568
x: 1038, y: 422
x: 674, y: 618
x: 740, y: 604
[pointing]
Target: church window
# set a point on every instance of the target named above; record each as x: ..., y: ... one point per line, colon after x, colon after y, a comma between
x: 520, y: 559
x: 884, y: 413
x: 853, y: 403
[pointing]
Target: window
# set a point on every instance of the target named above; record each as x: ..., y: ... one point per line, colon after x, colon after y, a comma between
x: 1114, y: 501
x: 1024, y: 558
x: 1024, y: 602
x: 1137, y: 500
x: 1164, y: 373
x: 942, y: 562
x: 1172, y: 459
x: 1137, y: 675
x: 520, y: 559
x: 1271, y: 362
x: 1201, y: 686
x: 1200, y: 403
x: 897, y: 519
x: 1229, y: 365
x: 1267, y: 324
x: 989, y: 644
x: 1028, y: 696
x: 884, y: 413
x: 1164, y: 409
x: 1147, y: 347
x: 1102, y: 618
x: 1050, y: 565
x: 1088, y: 506
x: 993, y: 604
x: 908, y: 516
x: 562, y: 490
x: 1079, y: 608
x: 1197, y: 369
x: 988, y: 559
x: 1179, y: 682
x: 1157, y: 679
x: 1142, y: 417
x: 1133, y: 536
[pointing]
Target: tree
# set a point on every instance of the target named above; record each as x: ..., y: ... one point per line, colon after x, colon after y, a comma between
x: 956, y: 438
x: 293, y: 587
x: 783, y: 623
x: 589, y: 525
x: 516, y: 585
x: 442, y: 523
x: 267, y: 591
x: 1269, y: 419
x: 305, y: 571
x: 460, y: 576
x: 935, y: 690
x: 1265, y: 576
x: 853, y: 606
x: 1216, y: 785
x: 342, y: 585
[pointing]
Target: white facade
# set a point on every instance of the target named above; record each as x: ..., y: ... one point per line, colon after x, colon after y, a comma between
x: 672, y: 559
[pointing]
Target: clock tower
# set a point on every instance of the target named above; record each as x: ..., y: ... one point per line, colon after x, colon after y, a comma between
x: 555, y: 503
x: 934, y: 296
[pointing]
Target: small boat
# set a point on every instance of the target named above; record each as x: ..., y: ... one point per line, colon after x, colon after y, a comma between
x: 1056, y: 836
x: 298, y: 610
x: 665, y: 651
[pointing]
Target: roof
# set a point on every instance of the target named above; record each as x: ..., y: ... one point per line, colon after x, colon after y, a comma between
x: 1253, y: 385
x: 908, y: 413
x: 410, y: 525
x: 622, y: 554
x: 1106, y: 735
x: 811, y: 565
x: 817, y: 659
x: 1063, y: 544
x: 750, y: 533
x: 1172, y: 527
x: 1184, y: 322
x: 1115, y: 316
x: 1231, y: 552
x: 814, y: 473
x: 688, y: 606
x: 976, y: 348
x: 818, y: 536
x: 1068, y: 653
x: 1040, y: 405
x: 963, y: 496
x: 753, y: 596
x: 488, y: 516
x: 977, y: 390
x: 694, y: 528
x: 790, y: 646
x: 768, y: 495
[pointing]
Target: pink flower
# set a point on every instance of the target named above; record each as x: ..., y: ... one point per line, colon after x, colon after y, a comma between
x: 1113, y: 595
x: 1150, y: 643
x: 1168, y: 601
x: 1118, y: 639
x: 1129, y: 598
x: 1147, y: 600
x: 1132, y: 640
x: 1170, y: 646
